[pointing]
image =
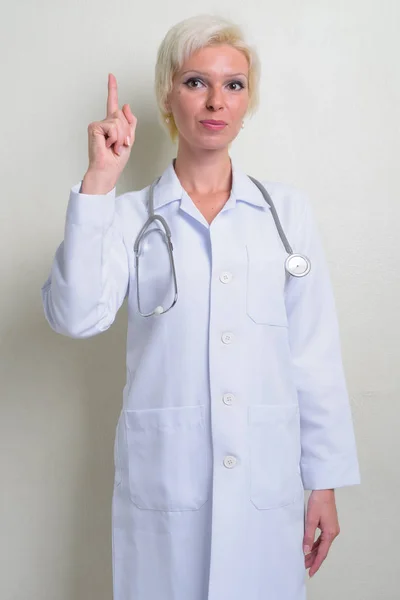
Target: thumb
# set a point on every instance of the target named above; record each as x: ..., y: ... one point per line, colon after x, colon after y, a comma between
x: 309, y: 535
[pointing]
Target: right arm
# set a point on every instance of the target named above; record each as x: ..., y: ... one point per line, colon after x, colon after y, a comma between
x: 89, y: 276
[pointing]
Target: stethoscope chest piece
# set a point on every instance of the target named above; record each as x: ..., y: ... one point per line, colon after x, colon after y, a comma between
x: 297, y: 265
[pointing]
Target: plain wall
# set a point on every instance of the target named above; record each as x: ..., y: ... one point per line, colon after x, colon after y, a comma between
x: 328, y: 123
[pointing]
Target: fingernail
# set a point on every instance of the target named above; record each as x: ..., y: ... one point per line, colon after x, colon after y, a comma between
x: 128, y: 140
x: 307, y: 549
x: 118, y: 150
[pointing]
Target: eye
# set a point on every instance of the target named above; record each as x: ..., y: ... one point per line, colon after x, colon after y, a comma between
x: 239, y: 83
x: 192, y: 80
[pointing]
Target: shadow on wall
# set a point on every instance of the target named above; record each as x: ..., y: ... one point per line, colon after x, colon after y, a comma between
x: 150, y: 154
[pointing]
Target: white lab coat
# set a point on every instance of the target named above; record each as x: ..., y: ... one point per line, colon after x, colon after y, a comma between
x: 235, y: 400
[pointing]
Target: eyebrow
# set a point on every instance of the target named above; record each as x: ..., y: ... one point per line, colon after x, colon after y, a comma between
x: 207, y: 75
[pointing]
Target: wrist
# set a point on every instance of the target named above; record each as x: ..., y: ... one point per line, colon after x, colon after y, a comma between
x: 96, y: 184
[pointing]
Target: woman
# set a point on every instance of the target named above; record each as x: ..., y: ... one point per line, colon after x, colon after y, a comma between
x: 235, y: 399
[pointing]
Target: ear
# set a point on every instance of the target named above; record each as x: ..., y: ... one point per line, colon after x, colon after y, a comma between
x: 167, y: 103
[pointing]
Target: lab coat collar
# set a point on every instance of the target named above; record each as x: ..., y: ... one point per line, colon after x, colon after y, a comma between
x: 169, y: 189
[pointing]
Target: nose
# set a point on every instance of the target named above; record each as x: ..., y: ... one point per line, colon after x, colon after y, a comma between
x: 215, y: 99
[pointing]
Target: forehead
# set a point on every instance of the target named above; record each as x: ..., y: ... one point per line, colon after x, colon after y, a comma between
x: 217, y: 60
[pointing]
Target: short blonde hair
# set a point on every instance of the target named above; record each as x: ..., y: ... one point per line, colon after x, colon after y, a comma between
x: 185, y: 38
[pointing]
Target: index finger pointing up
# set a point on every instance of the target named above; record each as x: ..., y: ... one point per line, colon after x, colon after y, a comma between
x: 112, y: 100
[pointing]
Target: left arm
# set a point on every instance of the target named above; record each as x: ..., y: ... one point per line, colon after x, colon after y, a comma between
x: 328, y: 447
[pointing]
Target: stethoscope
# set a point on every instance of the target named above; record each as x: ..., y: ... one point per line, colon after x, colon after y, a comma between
x: 296, y: 265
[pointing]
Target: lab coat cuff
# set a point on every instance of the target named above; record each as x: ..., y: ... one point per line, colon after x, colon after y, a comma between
x: 90, y: 209
x: 329, y: 476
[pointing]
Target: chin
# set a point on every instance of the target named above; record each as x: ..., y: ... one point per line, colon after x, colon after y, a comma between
x: 217, y: 145
x: 209, y: 140
x: 213, y: 143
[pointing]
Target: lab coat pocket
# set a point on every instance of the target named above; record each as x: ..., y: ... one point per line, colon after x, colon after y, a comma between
x: 168, y: 458
x: 275, y: 450
x: 266, y: 278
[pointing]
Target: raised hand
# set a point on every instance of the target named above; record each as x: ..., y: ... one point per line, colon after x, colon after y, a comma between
x: 110, y: 143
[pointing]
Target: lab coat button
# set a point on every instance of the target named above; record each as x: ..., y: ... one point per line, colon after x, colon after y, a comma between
x: 225, y: 277
x: 227, y: 337
x: 230, y: 462
x: 228, y: 399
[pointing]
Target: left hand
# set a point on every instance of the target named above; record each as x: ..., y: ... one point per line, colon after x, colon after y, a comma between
x: 321, y: 513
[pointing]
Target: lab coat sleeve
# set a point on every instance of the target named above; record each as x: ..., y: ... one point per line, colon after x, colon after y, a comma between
x: 328, y: 446
x: 89, y: 275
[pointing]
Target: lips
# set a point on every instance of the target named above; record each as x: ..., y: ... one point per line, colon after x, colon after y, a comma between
x: 211, y: 122
x: 214, y: 125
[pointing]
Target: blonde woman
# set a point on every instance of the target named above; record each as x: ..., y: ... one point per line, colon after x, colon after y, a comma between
x: 235, y: 399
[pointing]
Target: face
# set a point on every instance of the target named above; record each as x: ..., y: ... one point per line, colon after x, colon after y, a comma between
x: 211, y: 85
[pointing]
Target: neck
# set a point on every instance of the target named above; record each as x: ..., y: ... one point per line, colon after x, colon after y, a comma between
x: 204, y: 172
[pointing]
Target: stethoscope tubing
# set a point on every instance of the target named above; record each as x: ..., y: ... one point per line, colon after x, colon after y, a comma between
x: 292, y: 262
